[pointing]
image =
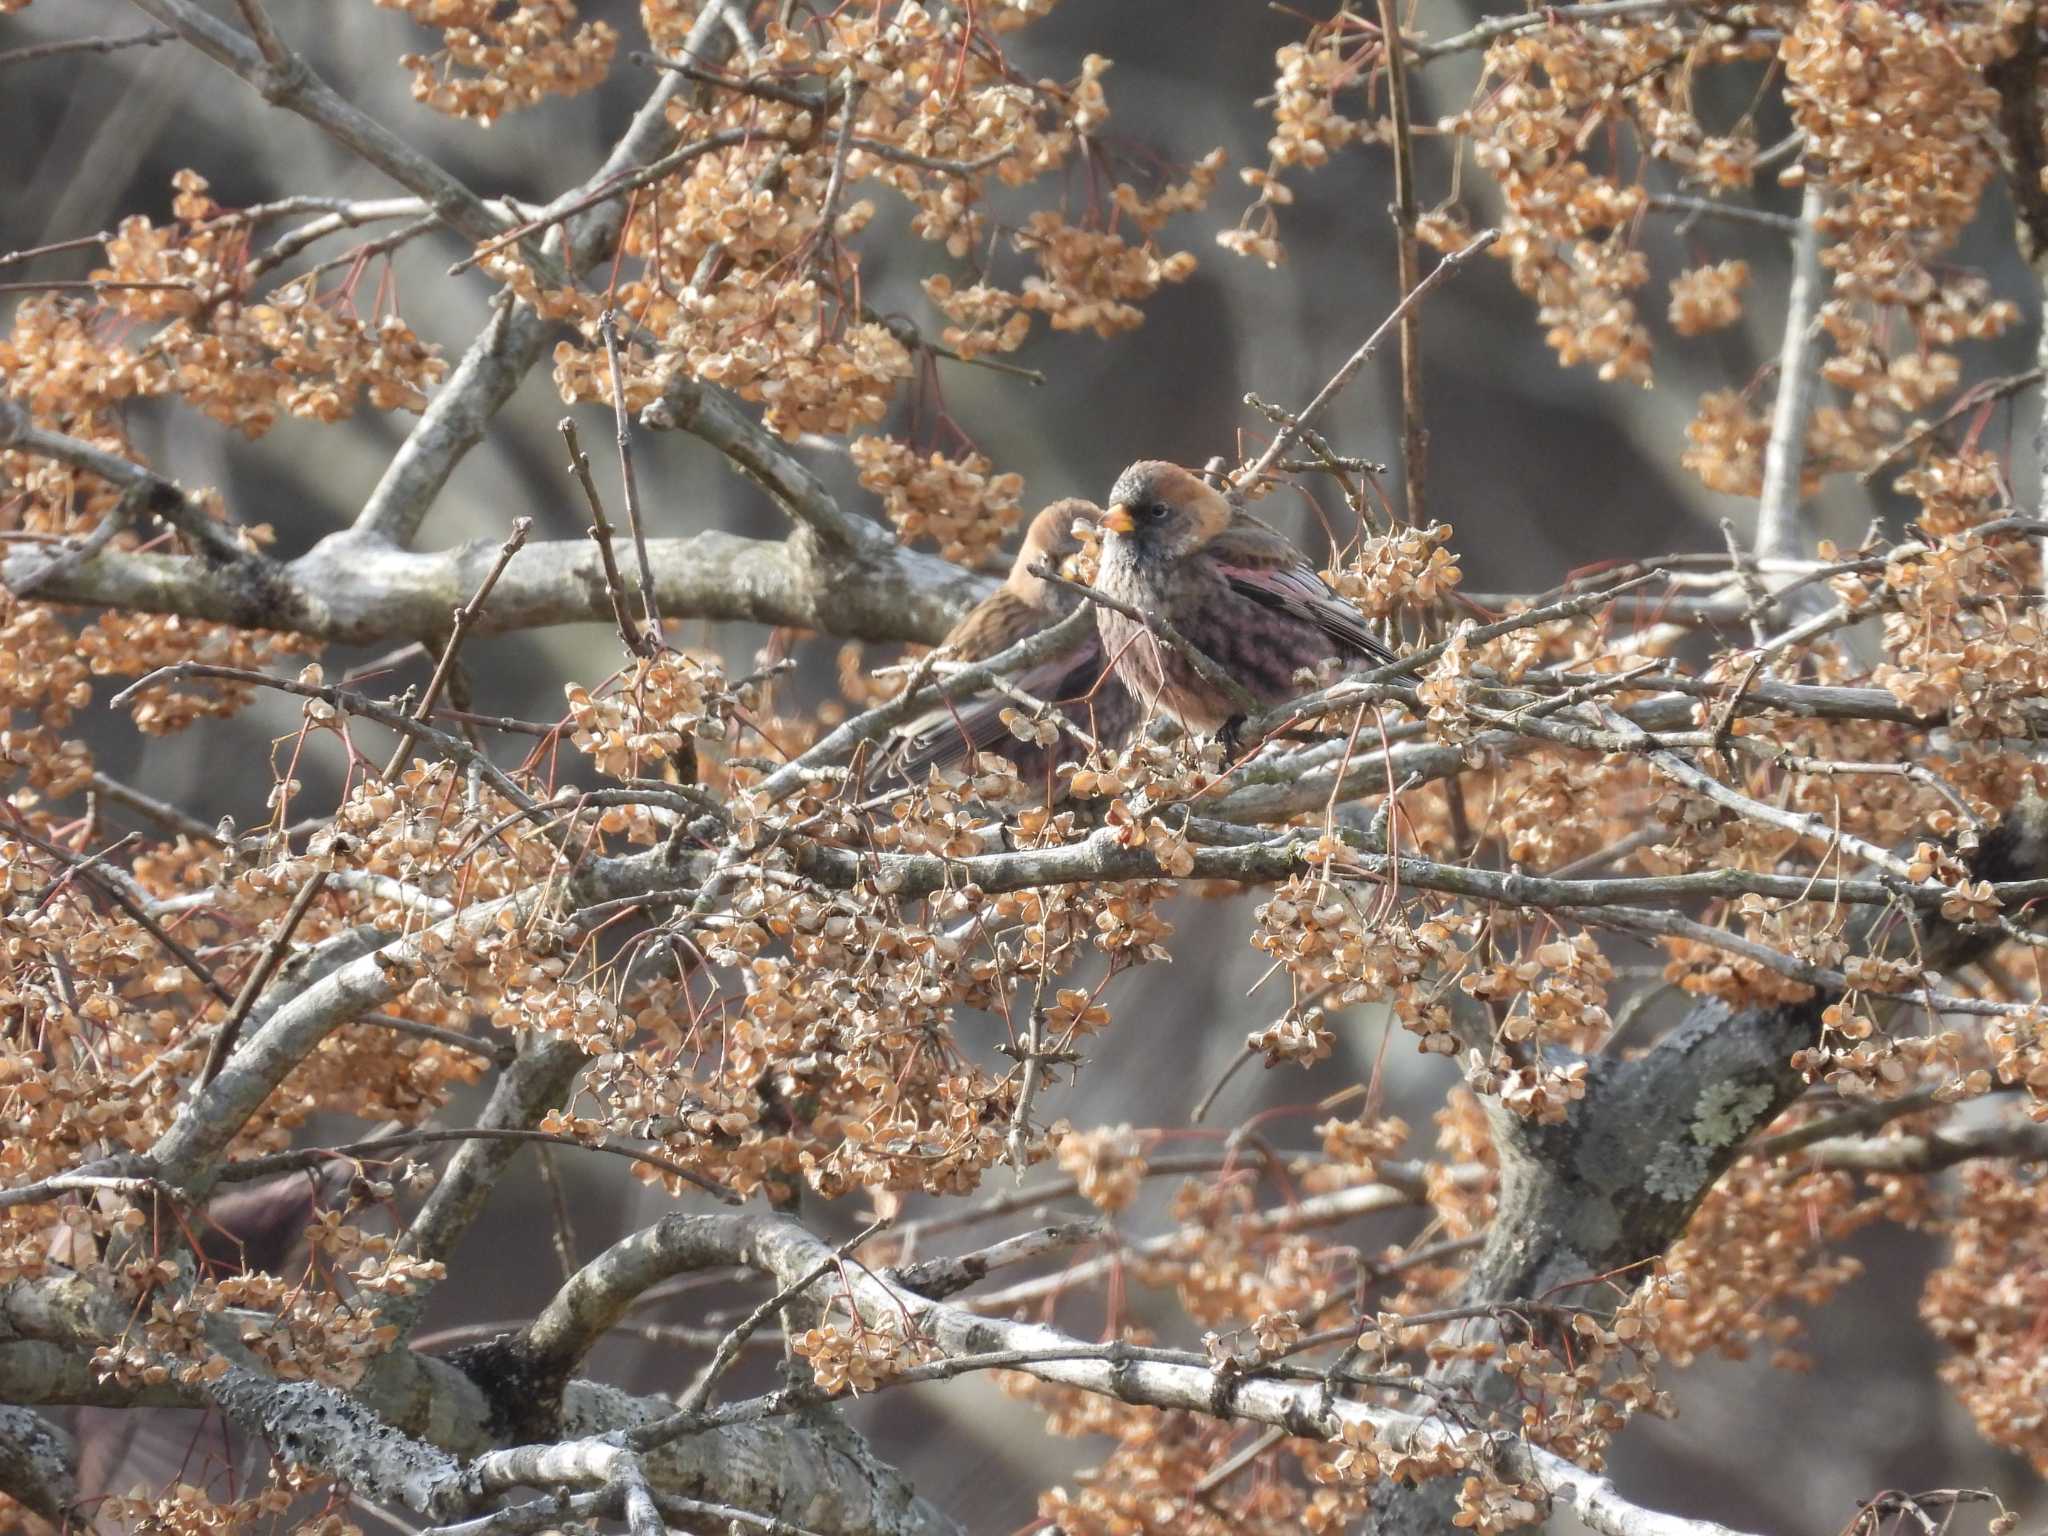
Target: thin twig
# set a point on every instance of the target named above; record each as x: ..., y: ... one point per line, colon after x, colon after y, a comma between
x: 619, y: 186
x: 272, y: 47
x: 75, y: 243
x: 1989, y: 392
x: 608, y: 325
x: 558, y: 1204
x: 465, y: 618
x: 499, y: 1053
x: 601, y: 535
x: 1287, y: 436
x: 454, y: 748
x: 117, y: 892
x: 36, y: 52
x: 692, y: 1402
x: 1703, y: 207
x: 766, y: 90
x: 168, y: 816
x: 1243, y: 1059
x: 1752, y: 584
x: 259, y: 978
x: 312, y: 1157
x: 1414, y: 435
x: 1497, y: 27
x: 73, y: 555
x: 835, y: 185
x: 1031, y: 1056
x: 974, y: 167
x: 352, y: 216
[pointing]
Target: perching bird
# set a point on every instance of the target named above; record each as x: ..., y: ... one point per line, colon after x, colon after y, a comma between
x: 1077, y: 680
x: 1236, y: 589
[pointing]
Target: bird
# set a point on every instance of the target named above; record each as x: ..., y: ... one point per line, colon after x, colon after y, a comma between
x: 1078, y: 680
x: 1236, y: 589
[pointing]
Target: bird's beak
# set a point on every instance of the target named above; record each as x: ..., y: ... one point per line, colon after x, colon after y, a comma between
x: 1118, y: 519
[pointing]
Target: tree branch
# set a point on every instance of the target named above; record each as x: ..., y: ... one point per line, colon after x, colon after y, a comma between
x: 1778, y: 534
x: 707, y: 412
x: 36, y: 1469
x: 1288, y: 436
x: 356, y: 591
x: 291, y: 83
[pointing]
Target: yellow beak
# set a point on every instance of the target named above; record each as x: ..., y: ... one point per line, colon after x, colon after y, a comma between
x: 1118, y: 519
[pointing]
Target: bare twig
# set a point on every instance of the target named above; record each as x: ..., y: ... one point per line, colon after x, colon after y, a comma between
x: 275, y: 54
x: 601, y: 536
x: 629, y: 487
x: 1287, y: 437
x: 1976, y: 397
x: 288, y: 81
x: 75, y: 243
x: 333, y: 221
x: 259, y: 978
x: 499, y: 1053
x: 73, y: 555
x: 170, y: 817
x: 1714, y: 208
x: 1497, y: 27
x: 465, y: 617
x: 289, y: 1162
x: 452, y: 747
x: 710, y: 413
x: 615, y: 187
x: 1414, y: 435
x: 692, y: 1402
x: 835, y: 185
x: 744, y: 85
x: 974, y: 167
x: 36, y: 52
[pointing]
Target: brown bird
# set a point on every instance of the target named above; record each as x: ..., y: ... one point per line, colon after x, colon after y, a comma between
x: 1078, y: 680
x: 1237, y: 590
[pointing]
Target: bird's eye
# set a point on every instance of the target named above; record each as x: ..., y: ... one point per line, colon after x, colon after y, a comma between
x: 1158, y: 511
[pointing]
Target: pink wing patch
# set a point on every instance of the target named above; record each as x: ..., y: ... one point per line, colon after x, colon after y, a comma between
x: 1298, y: 590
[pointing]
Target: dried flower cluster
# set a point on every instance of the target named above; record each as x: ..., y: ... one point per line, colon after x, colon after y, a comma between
x: 492, y: 61
x: 955, y: 503
x: 1593, y: 130
x: 749, y: 278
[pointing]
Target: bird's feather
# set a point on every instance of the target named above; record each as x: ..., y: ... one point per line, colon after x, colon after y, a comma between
x: 1301, y: 594
x: 1262, y: 564
x: 944, y: 736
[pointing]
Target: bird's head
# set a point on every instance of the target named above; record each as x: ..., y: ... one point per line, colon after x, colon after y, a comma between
x: 1163, y: 510
x: 1051, y: 535
x: 1051, y: 540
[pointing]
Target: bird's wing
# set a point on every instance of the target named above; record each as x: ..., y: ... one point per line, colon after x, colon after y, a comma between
x: 944, y: 736
x: 1286, y: 585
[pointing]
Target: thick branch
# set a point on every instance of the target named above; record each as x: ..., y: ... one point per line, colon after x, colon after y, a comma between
x: 810, y: 1469
x: 1778, y: 535
x: 360, y: 591
x: 780, y: 1247
x: 35, y: 1465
